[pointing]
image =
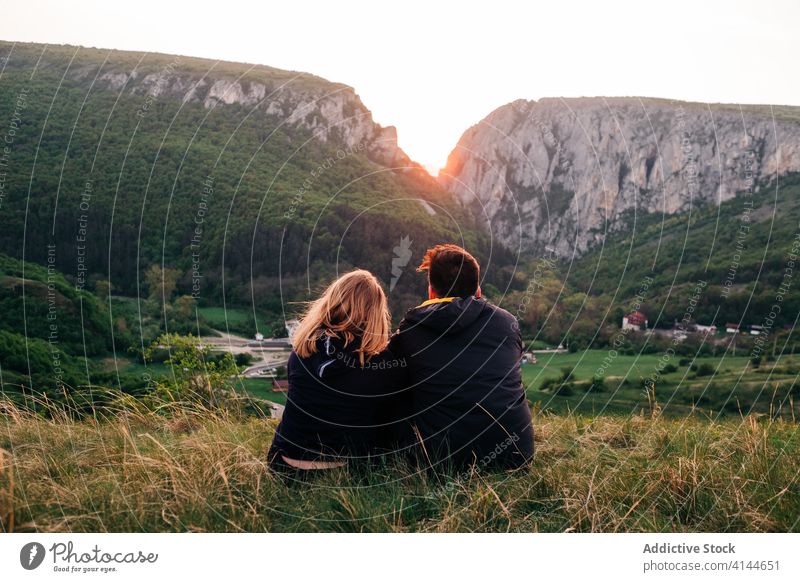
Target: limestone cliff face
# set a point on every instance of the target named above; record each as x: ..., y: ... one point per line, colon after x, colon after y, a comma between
x: 561, y: 173
x: 331, y: 111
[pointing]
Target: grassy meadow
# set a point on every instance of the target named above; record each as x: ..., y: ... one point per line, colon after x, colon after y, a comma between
x: 611, y: 456
x: 719, y: 385
x: 727, y: 385
x: 200, y: 470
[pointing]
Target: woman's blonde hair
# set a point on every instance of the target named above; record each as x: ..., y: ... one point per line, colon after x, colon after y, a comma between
x: 353, y: 306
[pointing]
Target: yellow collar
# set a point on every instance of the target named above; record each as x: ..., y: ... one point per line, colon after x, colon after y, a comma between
x: 437, y: 300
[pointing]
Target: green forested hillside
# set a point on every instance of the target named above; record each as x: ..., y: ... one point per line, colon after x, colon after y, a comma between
x: 743, y: 253
x: 48, y: 329
x: 713, y: 265
x: 119, y: 181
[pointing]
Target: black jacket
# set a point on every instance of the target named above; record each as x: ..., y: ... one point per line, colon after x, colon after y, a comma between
x: 463, y: 363
x: 334, y: 405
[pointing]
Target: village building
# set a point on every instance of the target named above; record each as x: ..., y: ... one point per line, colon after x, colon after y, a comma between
x: 706, y: 329
x: 635, y: 320
x: 280, y: 385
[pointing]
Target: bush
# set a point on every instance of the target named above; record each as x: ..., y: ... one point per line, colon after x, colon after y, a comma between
x: 199, y: 377
x: 705, y: 369
x: 598, y: 384
x: 565, y: 390
x: 566, y: 373
x: 243, y: 359
x: 563, y: 385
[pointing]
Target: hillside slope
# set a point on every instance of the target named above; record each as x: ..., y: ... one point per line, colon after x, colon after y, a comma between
x: 47, y: 329
x: 734, y: 259
x: 206, y: 472
x: 252, y: 182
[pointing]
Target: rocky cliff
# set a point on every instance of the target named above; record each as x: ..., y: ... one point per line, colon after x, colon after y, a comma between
x: 561, y: 173
x: 331, y: 111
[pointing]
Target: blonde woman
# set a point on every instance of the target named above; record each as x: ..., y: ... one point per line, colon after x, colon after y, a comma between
x: 342, y: 379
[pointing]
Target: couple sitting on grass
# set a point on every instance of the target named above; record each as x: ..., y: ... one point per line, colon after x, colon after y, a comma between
x: 445, y: 390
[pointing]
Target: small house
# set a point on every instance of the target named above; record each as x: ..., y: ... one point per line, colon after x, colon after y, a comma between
x: 731, y: 328
x: 756, y: 329
x: 635, y: 320
x: 280, y: 385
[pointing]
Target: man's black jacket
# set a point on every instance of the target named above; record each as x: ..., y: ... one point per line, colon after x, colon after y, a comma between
x: 463, y: 363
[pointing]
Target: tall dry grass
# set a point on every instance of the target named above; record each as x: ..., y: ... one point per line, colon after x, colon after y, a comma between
x: 201, y: 470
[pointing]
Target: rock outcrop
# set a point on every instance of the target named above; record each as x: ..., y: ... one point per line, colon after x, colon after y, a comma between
x: 331, y: 111
x: 561, y: 173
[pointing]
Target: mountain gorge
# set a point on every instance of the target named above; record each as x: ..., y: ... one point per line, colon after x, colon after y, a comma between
x: 138, y: 191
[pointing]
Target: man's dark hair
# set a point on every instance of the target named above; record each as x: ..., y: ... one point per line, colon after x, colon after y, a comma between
x: 452, y: 271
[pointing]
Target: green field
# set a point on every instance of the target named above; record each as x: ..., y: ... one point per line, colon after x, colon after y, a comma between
x: 712, y: 385
x: 262, y: 388
x: 730, y: 388
x: 240, y: 320
x: 182, y: 460
x: 219, y: 316
x: 222, y: 318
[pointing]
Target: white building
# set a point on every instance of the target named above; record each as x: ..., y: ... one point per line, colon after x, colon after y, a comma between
x: 712, y: 329
x: 635, y: 320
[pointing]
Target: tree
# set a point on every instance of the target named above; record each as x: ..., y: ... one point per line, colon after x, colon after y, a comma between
x: 102, y: 289
x: 197, y: 377
x: 185, y: 306
x: 161, y: 283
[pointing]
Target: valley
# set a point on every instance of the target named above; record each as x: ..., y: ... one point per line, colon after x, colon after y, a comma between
x: 146, y: 195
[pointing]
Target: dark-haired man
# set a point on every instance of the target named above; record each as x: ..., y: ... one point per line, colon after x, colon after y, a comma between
x: 463, y: 357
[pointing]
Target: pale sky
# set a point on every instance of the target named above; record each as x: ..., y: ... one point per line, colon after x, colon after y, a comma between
x: 433, y: 69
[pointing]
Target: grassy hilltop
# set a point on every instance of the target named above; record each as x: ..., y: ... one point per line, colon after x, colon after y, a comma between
x: 197, y: 470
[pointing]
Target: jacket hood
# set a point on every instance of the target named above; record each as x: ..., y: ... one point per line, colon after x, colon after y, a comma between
x: 447, y: 316
x: 333, y: 357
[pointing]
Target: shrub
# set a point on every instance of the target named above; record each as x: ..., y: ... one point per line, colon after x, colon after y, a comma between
x: 598, y: 384
x: 562, y: 385
x: 199, y: 377
x: 565, y: 390
x: 705, y: 369
x: 243, y: 359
